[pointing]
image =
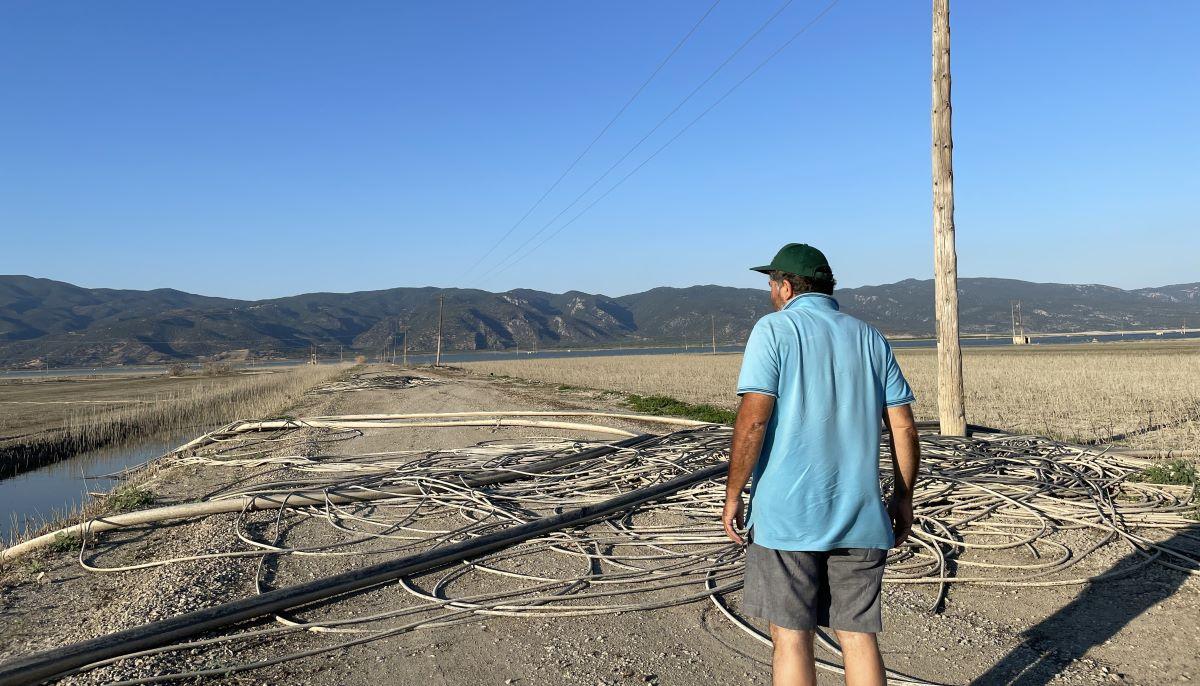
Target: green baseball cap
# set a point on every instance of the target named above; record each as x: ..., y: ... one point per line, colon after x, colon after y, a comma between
x: 800, y: 259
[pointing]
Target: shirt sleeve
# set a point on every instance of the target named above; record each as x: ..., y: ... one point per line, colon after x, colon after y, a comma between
x: 760, y: 364
x: 896, y: 390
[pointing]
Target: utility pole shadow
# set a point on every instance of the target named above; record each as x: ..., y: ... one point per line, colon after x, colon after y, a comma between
x: 1093, y: 617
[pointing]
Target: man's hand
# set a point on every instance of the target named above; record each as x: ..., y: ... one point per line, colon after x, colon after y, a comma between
x: 905, y: 444
x: 749, y: 429
x: 901, y: 512
x: 731, y: 517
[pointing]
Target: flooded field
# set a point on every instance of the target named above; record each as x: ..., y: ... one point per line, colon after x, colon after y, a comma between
x: 50, y: 493
x: 59, y: 437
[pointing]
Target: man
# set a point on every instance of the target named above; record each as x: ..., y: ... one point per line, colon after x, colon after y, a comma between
x: 814, y: 385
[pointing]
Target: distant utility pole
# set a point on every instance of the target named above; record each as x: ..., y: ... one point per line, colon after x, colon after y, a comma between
x: 437, y: 358
x: 713, y: 321
x: 395, y: 342
x: 341, y: 357
x: 951, y: 411
x: 404, y: 360
x: 1018, y: 336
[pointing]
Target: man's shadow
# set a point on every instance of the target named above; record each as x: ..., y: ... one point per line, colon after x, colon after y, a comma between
x: 1095, y: 616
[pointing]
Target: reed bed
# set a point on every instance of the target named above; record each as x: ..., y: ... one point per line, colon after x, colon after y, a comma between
x: 210, y: 402
x: 1145, y: 396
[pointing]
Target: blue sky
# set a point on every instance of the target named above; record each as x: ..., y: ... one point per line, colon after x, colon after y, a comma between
x: 264, y: 149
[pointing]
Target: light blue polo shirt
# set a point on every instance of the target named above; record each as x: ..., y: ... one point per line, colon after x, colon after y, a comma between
x: 816, y: 484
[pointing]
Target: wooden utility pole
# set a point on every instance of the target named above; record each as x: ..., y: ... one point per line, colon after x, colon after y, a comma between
x: 951, y: 411
x: 713, y: 319
x: 396, y: 342
x: 404, y: 360
x: 437, y: 359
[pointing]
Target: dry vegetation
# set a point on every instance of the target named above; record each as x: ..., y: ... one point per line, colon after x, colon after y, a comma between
x: 1145, y: 395
x: 203, y: 402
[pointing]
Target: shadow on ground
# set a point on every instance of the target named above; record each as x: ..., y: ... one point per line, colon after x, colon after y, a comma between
x: 1095, y: 616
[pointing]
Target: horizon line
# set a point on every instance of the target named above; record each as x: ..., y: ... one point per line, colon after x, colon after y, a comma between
x: 524, y: 288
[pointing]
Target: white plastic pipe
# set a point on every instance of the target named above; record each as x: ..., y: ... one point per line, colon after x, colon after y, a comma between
x: 211, y: 507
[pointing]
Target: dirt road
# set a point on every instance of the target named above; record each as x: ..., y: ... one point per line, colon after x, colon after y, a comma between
x: 1140, y: 630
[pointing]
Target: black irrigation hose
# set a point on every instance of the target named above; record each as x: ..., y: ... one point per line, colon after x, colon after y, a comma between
x: 47, y: 665
x: 936, y: 426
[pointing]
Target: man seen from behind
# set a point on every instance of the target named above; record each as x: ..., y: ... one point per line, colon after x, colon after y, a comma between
x: 815, y: 386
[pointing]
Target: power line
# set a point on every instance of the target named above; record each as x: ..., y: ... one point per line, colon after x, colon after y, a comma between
x: 682, y: 131
x: 651, y: 132
x: 594, y: 140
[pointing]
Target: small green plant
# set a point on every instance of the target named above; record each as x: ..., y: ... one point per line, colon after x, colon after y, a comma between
x: 666, y: 406
x: 129, y: 498
x: 1178, y: 472
x: 64, y: 542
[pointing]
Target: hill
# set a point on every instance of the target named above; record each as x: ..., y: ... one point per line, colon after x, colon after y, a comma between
x: 56, y: 323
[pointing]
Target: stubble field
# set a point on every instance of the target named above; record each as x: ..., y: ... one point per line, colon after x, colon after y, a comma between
x: 1142, y: 395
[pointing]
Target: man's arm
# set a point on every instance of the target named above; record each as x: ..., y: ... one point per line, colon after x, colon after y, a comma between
x: 905, y: 443
x: 749, y: 429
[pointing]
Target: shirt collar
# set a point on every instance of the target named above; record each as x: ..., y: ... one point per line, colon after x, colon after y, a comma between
x: 817, y: 300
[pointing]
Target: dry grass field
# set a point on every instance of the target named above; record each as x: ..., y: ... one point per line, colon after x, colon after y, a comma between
x: 1143, y: 395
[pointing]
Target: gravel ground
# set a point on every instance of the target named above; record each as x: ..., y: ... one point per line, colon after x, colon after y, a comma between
x: 1144, y: 629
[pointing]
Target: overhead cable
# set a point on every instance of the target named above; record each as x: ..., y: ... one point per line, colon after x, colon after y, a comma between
x: 595, y: 139
x: 671, y: 140
x: 717, y: 70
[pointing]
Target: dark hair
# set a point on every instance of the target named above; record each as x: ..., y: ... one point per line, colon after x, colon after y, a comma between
x: 805, y: 284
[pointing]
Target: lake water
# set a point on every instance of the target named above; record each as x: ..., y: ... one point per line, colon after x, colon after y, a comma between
x: 1055, y: 340
x: 482, y: 355
x: 30, y: 499
x: 136, y: 369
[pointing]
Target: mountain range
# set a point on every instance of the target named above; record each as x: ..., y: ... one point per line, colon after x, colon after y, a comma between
x: 52, y: 323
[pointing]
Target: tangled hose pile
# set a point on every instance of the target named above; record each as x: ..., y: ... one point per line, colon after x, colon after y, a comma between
x: 371, y: 381
x: 1024, y: 495
x: 994, y: 509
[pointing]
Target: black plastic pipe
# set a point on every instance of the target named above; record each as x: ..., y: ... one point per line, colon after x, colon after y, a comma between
x: 935, y: 425
x: 48, y: 664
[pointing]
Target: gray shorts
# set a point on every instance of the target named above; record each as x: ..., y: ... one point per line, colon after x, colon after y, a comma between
x: 838, y: 589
